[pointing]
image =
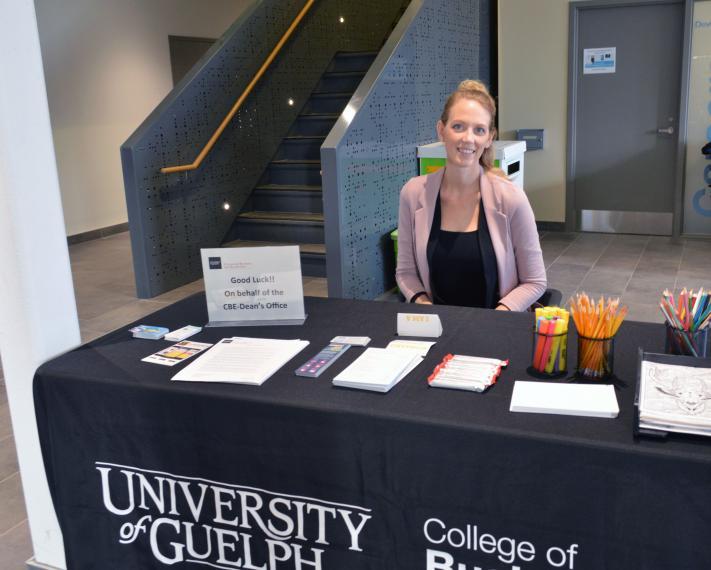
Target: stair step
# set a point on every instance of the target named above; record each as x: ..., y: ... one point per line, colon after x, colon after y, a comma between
x: 293, y: 172
x: 304, y: 137
x: 288, y: 188
x: 287, y: 198
x: 356, y: 54
x: 313, y: 255
x: 352, y: 61
x: 339, y: 81
x: 327, y: 102
x: 356, y: 73
x: 310, y: 248
x: 333, y: 94
x: 314, y: 124
x: 333, y: 116
x: 299, y: 217
x: 290, y: 162
x: 292, y: 227
x: 300, y: 147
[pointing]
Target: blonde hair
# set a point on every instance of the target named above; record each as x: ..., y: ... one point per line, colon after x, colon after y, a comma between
x: 477, y: 91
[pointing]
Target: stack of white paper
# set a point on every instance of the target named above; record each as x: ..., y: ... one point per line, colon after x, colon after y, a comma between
x: 242, y: 360
x: 378, y: 369
x: 596, y: 400
x: 675, y: 398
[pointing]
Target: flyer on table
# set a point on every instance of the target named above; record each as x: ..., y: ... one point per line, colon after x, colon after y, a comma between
x: 253, y: 283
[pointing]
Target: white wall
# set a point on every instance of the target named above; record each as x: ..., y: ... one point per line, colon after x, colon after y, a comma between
x: 107, y: 66
x: 533, y: 93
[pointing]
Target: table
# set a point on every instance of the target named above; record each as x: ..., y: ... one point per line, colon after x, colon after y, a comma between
x: 145, y: 472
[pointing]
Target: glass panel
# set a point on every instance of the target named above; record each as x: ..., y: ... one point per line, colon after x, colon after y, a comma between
x: 697, y: 192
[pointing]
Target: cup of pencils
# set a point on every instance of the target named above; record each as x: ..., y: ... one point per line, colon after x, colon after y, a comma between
x: 687, y: 322
x: 550, y: 342
x: 597, y: 324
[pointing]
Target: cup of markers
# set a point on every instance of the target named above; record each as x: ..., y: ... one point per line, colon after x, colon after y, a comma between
x: 550, y: 343
x: 687, y: 322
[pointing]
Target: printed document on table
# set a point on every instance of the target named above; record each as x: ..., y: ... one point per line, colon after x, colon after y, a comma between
x: 378, y: 369
x: 242, y: 360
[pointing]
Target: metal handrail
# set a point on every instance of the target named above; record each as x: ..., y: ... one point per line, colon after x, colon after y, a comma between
x: 223, y: 125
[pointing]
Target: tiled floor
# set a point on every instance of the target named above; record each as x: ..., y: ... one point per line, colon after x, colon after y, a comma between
x: 637, y: 268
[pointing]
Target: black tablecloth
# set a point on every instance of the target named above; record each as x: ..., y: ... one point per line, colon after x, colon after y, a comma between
x: 296, y: 473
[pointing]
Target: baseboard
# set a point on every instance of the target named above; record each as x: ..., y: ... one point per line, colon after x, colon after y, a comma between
x: 97, y: 234
x: 32, y: 564
x: 550, y: 226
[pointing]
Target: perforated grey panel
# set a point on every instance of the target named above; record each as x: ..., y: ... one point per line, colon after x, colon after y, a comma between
x: 446, y: 41
x: 172, y: 216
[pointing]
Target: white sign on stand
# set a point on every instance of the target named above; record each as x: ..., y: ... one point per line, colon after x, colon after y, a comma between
x: 253, y: 286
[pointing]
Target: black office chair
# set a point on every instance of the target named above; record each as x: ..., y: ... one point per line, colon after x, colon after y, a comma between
x: 550, y: 298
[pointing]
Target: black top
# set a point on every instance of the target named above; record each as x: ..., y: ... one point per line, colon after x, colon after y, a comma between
x: 456, y: 270
x: 462, y: 265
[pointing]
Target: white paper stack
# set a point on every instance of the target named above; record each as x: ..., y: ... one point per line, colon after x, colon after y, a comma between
x: 378, y: 369
x: 242, y: 360
x: 675, y: 398
x: 596, y: 400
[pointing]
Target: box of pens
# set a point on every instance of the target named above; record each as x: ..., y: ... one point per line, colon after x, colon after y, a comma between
x: 687, y: 322
x: 460, y: 372
x: 550, y: 343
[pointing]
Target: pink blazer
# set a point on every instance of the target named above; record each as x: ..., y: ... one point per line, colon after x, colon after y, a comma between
x: 522, y: 274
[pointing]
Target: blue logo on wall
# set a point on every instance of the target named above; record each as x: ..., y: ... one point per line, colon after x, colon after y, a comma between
x: 215, y: 262
x: 702, y: 209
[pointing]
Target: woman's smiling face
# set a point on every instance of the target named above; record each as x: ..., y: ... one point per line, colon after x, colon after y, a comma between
x: 467, y: 132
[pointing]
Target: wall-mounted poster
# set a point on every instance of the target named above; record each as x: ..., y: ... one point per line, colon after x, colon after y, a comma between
x: 599, y: 60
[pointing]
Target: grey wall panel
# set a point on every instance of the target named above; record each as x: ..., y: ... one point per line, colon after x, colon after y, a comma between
x: 172, y: 216
x: 367, y: 159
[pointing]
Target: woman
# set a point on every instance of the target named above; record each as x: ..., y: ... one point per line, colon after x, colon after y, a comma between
x: 466, y: 234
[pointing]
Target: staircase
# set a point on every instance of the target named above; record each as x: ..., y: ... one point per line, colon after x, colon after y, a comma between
x: 286, y: 207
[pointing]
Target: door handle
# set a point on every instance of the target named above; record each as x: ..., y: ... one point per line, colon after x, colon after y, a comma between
x: 667, y: 131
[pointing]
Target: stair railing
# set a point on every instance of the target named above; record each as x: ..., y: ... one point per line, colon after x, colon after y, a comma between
x: 195, y: 164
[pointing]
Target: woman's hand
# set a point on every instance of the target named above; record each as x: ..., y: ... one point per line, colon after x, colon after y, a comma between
x: 423, y: 300
x: 502, y: 308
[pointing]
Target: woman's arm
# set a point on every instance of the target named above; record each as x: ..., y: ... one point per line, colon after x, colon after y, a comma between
x: 529, y: 257
x: 406, y: 274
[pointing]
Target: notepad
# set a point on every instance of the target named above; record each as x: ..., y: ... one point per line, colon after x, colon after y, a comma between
x: 378, y: 369
x: 420, y: 347
x: 242, y: 360
x: 594, y: 400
